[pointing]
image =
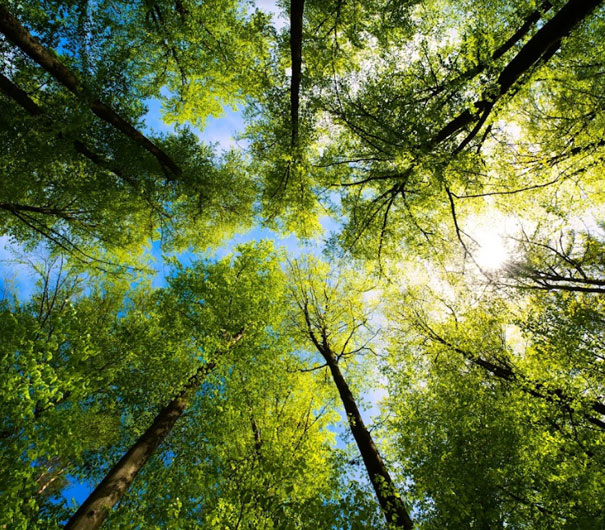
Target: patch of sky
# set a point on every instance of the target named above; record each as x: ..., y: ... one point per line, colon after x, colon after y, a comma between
x: 76, y: 492
x: 278, y: 16
x: 17, y: 276
x: 221, y: 131
x: 293, y: 246
x: 224, y: 130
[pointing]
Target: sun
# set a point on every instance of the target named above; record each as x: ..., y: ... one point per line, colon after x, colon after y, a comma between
x: 493, y: 252
x: 490, y: 233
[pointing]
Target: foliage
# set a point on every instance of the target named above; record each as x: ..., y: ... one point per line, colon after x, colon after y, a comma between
x: 408, y: 123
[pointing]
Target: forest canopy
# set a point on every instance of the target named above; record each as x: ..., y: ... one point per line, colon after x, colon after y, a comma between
x: 434, y: 359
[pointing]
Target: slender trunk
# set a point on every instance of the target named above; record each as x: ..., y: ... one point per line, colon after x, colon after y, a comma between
x: 528, y: 23
x: 19, y: 35
x: 531, y: 19
x: 542, y: 45
x: 33, y: 109
x: 390, y: 501
x: 57, y: 212
x: 47, y: 479
x: 551, y: 281
x: 557, y: 287
x: 178, y: 4
x: 552, y: 395
x: 546, y: 41
x: 536, y: 274
x: 19, y: 96
x: 296, y: 27
x: 96, y: 507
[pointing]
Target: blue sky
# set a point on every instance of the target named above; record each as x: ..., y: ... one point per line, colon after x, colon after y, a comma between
x: 223, y: 133
x: 14, y: 276
x: 17, y: 276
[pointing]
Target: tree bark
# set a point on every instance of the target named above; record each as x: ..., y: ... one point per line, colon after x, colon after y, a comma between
x: 390, y: 502
x: 19, y: 35
x: 531, y: 19
x: 528, y: 22
x: 296, y: 27
x: 542, y: 45
x: 552, y: 281
x: 57, y: 212
x: 546, y: 41
x: 12, y: 91
x: 33, y: 109
x: 96, y: 507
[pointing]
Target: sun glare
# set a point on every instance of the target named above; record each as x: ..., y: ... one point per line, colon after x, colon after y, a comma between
x: 490, y: 231
x: 492, y: 251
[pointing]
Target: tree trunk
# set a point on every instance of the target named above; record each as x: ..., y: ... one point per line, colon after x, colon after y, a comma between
x: 546, y: 40
x: 531, y: 19
x: 528, y: 23
x: 33, y: 109
x: 543, y: 44
x: 19, y: 35
x: 96, y: 507
x: 390, y: 501
x: 296, y: 27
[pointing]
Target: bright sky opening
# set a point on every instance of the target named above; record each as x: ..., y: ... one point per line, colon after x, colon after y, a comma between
x: 490, y: 232
x: 492, y: 253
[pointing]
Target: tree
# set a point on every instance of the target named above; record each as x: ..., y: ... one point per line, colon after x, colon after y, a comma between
x: 411, y: 124
x: 254, y: 451
x: 216, y: 291
x: 332, y: 323
x: 513, y: 406
x: 415, y: 141
x: 62, y: 353
x: 569, y: 261
x: 90, y: 189
x: 96, y: 507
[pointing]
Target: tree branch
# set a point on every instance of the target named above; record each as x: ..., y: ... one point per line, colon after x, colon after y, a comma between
x: 17, y: 34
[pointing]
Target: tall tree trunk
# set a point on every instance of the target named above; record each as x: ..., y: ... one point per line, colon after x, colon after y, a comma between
x: 19, y: 35
x: 296, y: 27
x: 531, y: 19
x: 33, y: 109
x: 542, y: 45
x: 390, y: 501
x: 96, y: 507
x: 550, y: 280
